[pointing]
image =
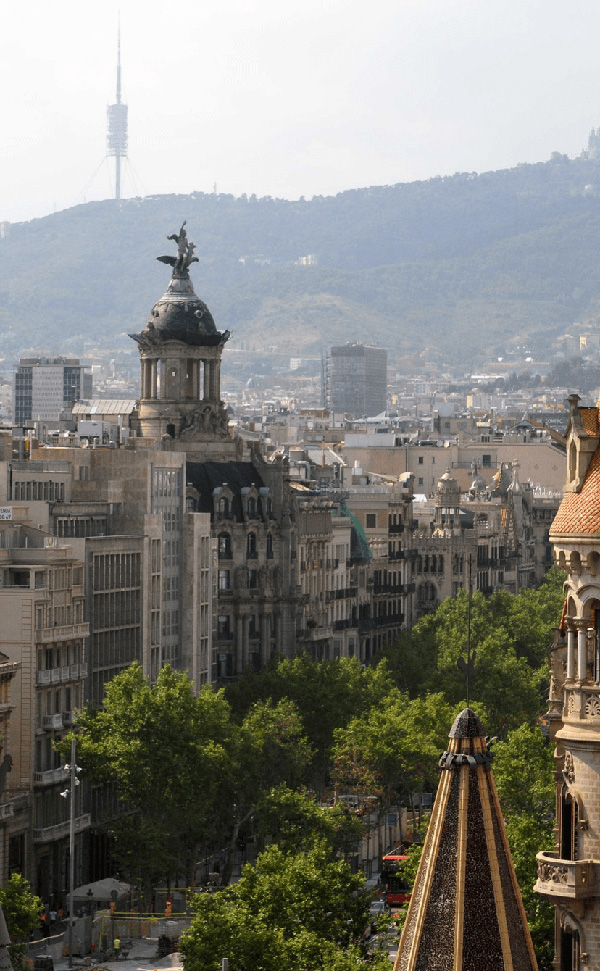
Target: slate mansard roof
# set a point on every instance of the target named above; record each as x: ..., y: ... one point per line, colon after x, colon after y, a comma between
x: 208, y: 476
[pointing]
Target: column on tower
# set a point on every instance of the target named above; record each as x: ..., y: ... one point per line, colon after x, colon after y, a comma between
x: 145, y: 378
x: 581, y: 650
x: 209, y: 392
x: 570, y: 654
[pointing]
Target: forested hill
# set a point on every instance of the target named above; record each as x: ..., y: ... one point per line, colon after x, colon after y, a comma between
x: 459, y: 265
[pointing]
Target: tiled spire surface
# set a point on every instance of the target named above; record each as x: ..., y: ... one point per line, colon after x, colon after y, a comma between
x: 466, y: 912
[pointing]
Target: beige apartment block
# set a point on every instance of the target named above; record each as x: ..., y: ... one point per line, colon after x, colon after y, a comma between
x: 384, y: 513
x: 540, y: 461
x: 43, y: 631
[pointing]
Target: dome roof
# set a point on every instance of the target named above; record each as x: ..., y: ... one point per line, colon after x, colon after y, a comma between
x: 180, y: 315
x: 448, y: 484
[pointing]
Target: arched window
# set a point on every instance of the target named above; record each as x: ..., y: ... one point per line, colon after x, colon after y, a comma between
x: 223, y: 506
x: 269, y: 546
x: 224, y: 546
x: 251, y: 507
x: 569, y: 819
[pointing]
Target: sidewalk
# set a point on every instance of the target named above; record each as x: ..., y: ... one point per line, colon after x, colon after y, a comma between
x: 142, y: 956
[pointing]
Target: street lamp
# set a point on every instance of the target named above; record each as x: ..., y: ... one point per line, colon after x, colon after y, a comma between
x: 73, y: 769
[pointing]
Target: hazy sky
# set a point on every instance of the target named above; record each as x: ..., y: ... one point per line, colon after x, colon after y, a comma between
x: 287, y: 98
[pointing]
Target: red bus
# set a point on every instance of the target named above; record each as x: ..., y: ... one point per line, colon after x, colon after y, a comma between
x: 397, y: 891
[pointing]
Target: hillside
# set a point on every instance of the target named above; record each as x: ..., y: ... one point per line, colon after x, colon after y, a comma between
x: 459, y: 265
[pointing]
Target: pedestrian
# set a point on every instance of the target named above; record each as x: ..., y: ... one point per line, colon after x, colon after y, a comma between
x: 52, y: 917
x: 117, y: 948
x: 44, y: 924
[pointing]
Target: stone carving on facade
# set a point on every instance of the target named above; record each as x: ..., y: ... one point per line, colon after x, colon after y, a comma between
x: 552, y: 873
x: 592, y: 706
x: 207, y: 420
x: 569, y: 768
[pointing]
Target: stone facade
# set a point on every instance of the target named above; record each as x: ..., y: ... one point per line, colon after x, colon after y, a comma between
x: 570, y: 875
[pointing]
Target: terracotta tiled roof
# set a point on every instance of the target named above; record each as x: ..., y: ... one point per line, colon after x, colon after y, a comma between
x: 590, y: 420
x: 579, y: 512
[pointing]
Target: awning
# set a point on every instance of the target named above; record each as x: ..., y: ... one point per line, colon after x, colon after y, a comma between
x: 101, y: 890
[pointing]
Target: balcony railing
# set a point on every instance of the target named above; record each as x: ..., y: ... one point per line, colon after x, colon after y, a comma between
x: 50, y: 777
x: 396, y: 528
x: 69, y: 632
x: 570, y: 879
x: 7, y: 810
x: 70, y: 672
x: 50, y: 833
x: 53, y: 722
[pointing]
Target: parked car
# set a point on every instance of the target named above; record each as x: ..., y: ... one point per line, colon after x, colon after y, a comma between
x: 376, y: 908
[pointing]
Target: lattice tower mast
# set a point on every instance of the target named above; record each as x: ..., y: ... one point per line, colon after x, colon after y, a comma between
x: 117, y: 126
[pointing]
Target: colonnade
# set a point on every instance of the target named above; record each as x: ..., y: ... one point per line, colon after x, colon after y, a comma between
x: 579, y: 633
x: 202, y: 379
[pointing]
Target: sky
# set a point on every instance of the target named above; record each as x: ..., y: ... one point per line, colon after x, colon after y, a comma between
x: 287, y: 99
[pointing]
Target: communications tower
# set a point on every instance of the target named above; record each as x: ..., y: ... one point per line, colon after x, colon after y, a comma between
x: 117, y: 126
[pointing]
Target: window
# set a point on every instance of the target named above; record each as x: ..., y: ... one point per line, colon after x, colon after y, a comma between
x: 486, y: 461
x: 224, y: 625
x: 224, y: 546
x: 269, y: 547
x: 251, y: 507
x: 224, y: 580
x: 251, y: 546
x: 252, y: 579
x: 223, y: 506
x: 420, y: 481
x: 371, y: 520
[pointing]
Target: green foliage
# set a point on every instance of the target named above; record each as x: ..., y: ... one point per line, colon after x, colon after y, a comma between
x: 162, y: 746
x: 393, y: 749
x: 290, y: 912
x: 22, y: 911
x: 294, y: 820
x: 327, y: 695
x: 511, y: 637
x: 524, y: 774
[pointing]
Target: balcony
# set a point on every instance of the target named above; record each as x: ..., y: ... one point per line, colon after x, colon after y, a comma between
x: 568, y: 879
x: 53, y: 722
x: 70, y: 632
x: 396, y: 528
x: 70, y: 672
x: 50, y: 777
x: 61, y: 830
x: 7, y: 810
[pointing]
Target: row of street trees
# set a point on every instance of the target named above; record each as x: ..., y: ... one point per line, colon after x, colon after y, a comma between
x: 194, y: 774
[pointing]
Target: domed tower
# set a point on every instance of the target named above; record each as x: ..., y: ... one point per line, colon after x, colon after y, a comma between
x: 180, y: 350
x: 570, y: 876
x: 447, y: 502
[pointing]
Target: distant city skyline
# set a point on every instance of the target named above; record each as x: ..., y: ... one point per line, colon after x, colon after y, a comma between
x: 287, y: 101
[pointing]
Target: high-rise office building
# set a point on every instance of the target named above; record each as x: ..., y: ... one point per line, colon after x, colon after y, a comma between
x: 44, y: 387
x: 357, y: 379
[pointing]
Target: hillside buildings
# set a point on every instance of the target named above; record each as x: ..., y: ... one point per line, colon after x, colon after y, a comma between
x: 152, y: 531
x: 45, y: 387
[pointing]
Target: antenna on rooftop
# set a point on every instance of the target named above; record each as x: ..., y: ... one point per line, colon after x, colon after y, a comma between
x: 467, y: 667
x: 117, y: 125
